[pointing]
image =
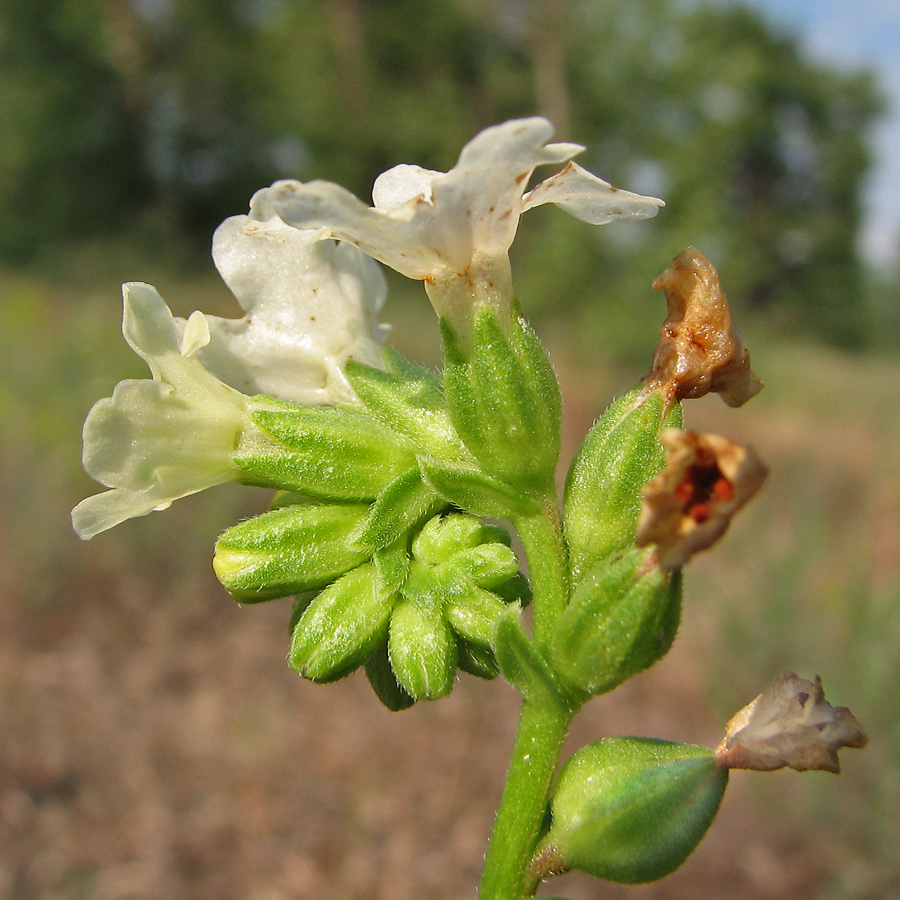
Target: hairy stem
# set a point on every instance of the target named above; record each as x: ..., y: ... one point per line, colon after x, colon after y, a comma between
x: 542, y: 726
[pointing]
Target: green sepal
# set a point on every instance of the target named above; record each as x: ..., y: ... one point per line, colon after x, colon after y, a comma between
x: 516, y: 590
x: 392, y: 565
x: 487, y: 566
x: 523, y: 665
x: 403, y: 503
x: 384, y: 682
x: 443, y: 536
x: 289, y: 550
x: 422, y: 648
x: 408, y: 399
x: 622, y: 618
x: 325, y: 452
x: 298, y: 607
x: 476, y: 660
x: 504, y: 399
x: 341, y: 627
x: 632, y: 810
x: 621, y: 453
x: 473, y: 491
x: 474, y: 615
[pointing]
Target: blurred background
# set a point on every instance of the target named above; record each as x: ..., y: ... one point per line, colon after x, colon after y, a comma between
x: 153, y: 743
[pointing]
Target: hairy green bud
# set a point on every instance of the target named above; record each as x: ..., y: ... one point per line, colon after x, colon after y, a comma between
x: 504, y: 399
x: 342, y: 627
x: 622, y: 619
x: 288, y: 550
x: 632, y: 810
x: 621, y: 453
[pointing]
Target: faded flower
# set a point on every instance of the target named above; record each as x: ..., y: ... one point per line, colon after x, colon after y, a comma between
x: 453, y: 229
x: 791, y: 724
x: 690, y: 503
x: 310, y: 305
x: 700, y: 350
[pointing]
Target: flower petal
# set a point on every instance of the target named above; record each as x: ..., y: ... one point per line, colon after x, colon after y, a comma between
x: 591, y: 199
x: 311, y: 305
x: 156, y: 441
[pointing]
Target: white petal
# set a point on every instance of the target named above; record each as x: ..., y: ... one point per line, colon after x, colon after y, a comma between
x: 156, y: 441
x: 394, y: 238
x: 195, y: 334
x: 402, y: 184
x: 311, y: 306
x: 589, y: 198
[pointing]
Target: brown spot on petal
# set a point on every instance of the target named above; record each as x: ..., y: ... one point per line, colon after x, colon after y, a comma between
x: 790, y: 724
x: 689, y: 505
x: 700, y: 350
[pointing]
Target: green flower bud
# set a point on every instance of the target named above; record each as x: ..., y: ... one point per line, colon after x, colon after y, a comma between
x: 422, y: 649
x: 621, y: 453
x: 384, y: 682
x: 632, y: 810
x: 443, y: 536
x: 342, y: 626
x: 504, y: 399
x: 332, y: 453
x: 622, y: 619
x: 288, y: 550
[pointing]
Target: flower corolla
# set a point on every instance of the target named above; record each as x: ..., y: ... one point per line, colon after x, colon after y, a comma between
x: 453, y: 229
x: 157, y: 440
x: 310, y: 304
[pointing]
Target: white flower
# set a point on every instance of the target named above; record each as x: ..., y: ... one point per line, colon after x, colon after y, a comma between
x: 310, y: 304
x: 453, y: 230
x: 155, y: 441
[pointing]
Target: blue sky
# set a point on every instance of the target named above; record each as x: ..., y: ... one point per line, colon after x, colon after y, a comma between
x: 855, y: 33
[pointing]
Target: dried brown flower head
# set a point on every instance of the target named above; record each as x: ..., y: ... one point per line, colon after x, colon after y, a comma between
x: 688, y: 506
x: 700, y: 350
x: 791, y: 724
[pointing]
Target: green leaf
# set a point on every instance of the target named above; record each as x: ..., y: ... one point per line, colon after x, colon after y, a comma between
x: 524, y: 667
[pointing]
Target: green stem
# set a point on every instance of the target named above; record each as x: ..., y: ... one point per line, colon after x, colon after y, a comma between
x: 542, y: 727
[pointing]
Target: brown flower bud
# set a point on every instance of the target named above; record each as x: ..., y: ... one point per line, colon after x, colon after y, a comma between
x: 688, y: 506
x: 791, y: 724
x: 700, y: 351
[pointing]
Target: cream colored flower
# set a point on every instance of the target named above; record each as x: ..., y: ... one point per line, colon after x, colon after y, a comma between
x: 157, y: 440
x: 311, y: 305
x: 453, y: 230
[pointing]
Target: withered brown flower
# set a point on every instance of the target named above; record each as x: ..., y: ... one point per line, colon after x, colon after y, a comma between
x: 689, y: 505
x: 790, y: 724
x: 700, y: 351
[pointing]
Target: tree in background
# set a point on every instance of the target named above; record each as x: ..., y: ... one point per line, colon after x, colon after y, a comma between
x: 175, y: 111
